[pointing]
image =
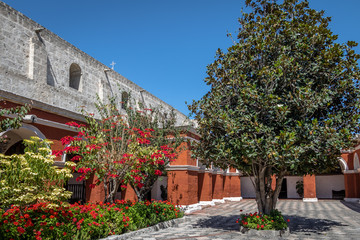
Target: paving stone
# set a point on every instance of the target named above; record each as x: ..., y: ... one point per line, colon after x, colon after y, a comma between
x: 328, y: 219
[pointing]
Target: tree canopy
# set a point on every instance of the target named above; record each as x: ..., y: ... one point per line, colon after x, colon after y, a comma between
x: 284, y: 99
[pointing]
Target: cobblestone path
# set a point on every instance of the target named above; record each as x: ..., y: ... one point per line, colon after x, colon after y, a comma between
x: 327, y: 219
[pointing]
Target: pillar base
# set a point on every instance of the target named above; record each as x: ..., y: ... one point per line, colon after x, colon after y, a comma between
x: 310, y: 199
x: 233, y: 199
x: 206, y: 203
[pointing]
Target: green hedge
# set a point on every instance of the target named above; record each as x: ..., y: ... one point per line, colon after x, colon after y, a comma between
x: 89, y: 221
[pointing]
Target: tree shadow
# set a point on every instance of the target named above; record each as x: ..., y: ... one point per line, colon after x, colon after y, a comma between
x: 219, y: 222
x: 352, y: 205
x: 307, y: 226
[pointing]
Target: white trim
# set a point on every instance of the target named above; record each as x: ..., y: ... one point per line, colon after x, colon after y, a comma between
x: 310, y: 199
x: 352, y: 171
x: 232, y: 174
x: 182, y: 168
x: 343, y: 164
x: 233, y: 199
x: 53, y: 124
x: 206, y: 171
x: 190, y: 208
x: 219, y: 172
x: 31, y: 118
x: 356, y: 161
x: 351, y: 199
x: 198, y: 206
x: 206, y: 203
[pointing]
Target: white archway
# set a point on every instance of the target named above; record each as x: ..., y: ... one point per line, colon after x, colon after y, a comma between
x: 356, y: 162
x: 24, y: 132
x: 343, y: 164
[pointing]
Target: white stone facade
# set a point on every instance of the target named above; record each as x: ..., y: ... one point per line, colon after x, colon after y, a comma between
x: 35, y: 68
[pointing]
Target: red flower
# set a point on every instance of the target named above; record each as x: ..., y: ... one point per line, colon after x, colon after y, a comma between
x: 158, y: 172
x: 6, y: 221
x: 51, y: 228
x: 58, y: 224
x: 15, y: 223
x: 288, y: 220
x: 92, y: 185
x: 57, y: 153
x: 20, y: 230
x: 52, y: 216
x: 64, y: 233
x: 26, y: 216
x: 262, y: 226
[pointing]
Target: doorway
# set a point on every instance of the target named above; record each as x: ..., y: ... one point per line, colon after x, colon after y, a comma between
x: 283, y: 190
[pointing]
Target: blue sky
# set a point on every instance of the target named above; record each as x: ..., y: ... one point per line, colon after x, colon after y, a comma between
x: 163, y: 46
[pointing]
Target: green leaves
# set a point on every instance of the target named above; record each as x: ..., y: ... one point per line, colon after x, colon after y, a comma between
x: 285, y: 95
x: 32, y: 176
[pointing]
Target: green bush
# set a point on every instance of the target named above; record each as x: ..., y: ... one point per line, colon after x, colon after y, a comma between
x: 89, y: 221
x: 273, y: 221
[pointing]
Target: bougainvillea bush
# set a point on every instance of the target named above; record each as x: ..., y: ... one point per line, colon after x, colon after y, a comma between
x: 121, y: 147
x: 273, y: 221
x: 89, y: 221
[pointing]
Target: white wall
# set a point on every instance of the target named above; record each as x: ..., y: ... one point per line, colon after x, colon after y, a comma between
x: 325, y: 185
x: 156, y: 191
x: 247, y: 188
x: 291, y: 186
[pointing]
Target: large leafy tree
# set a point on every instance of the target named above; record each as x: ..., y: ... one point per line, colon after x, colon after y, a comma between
x: 284, y: 98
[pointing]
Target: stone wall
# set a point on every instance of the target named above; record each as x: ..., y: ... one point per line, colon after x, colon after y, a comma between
x: 35, y: 68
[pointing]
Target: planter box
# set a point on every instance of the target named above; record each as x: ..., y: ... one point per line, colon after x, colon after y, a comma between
x: 265, y: 233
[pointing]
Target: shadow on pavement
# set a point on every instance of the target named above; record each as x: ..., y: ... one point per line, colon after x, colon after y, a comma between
x: 352, y: 205
x: 219, y: 222
x: 307, y: 226
x: 311, y: 225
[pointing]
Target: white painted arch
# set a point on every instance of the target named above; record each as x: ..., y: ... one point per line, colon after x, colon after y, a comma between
x: 24, y: 132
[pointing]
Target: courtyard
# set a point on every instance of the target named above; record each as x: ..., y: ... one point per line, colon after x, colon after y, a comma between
x: 325, y: 219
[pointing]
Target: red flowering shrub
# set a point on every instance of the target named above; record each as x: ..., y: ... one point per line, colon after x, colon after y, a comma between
x: 123, y: 148
x: 273, y: 221
x: 89, y: 221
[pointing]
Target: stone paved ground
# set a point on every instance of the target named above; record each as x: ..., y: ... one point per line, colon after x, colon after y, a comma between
x: 321, y: 220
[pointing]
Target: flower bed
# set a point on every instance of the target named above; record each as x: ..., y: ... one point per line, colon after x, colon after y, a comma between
x: 274, y: 221
x: 89, y: 221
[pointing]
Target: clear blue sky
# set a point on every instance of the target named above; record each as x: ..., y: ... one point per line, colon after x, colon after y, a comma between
x: 163, y: 46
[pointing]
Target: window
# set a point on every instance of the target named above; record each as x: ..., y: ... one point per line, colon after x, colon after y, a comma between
x: 124, y: 100
x: 74, y: 76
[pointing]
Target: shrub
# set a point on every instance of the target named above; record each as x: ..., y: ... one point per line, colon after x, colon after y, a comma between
x: 273, y: 221
x: 88, y: 221
x: 32, y: 177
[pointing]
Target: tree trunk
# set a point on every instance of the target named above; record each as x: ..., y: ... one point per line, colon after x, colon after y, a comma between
x: 142, y: 192
x: 266, y: 197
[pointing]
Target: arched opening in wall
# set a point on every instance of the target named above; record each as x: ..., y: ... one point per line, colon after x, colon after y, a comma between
x: 356, y: 162
x: 343, y: 164
x: 13, y: 143
x: 74, y: 76
x: 76, y: 185
x: 124, y: 100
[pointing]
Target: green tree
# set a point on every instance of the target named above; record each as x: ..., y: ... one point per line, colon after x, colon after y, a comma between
x: 284, y: 98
